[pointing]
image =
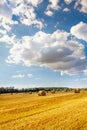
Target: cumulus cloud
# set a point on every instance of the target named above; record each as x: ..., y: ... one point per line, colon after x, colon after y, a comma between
x: 49, y: 13
x: 27, y: 15
x: 81, y: 5
x: 5, y: 9
x: 54, y: 51
x: 25, y: 10
x: 68, y: 1
x: 5, y: 16
x: 2, y: 31
x: 5, y: 38
x: 33, y: 2
x: 52, y: 6
x: 80, y: 31
x: 66, y: 10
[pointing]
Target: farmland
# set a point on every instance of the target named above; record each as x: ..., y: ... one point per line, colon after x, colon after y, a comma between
x: 59, y: 111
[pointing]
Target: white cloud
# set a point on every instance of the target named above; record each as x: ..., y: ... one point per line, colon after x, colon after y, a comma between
x: 19, y: 76
x: 80, y: 31
x: 68, y: 1
x: 5, y: 38
x: 5, y: 10
x: 23, y: 9
x: 15, y: 2
x: 49, y: 13
x: 6, y: 16
x: 30, y: 75
x: 81, y: 5
x: 3, y: 32
x: 66, y: 10
x: 50, y: 50
x: 35, y: 2
x: 52, y: 6
x: 27, y: 13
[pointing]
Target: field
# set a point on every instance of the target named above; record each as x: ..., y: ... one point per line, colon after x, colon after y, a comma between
x: 59, y: 111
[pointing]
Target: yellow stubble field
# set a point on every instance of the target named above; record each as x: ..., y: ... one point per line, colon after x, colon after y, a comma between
x: 59, y: 111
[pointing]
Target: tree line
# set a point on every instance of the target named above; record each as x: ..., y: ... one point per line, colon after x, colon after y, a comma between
x: 12, y: 89
x: 17, y: 90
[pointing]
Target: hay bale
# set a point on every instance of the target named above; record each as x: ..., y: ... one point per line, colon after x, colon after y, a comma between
x: 42, y: 93
x: 77, y: 90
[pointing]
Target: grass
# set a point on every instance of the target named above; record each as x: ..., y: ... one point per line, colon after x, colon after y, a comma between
x: 59, y: 111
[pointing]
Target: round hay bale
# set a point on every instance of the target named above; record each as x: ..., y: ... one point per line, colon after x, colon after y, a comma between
x: 77, y: 90
x: 42, y: 93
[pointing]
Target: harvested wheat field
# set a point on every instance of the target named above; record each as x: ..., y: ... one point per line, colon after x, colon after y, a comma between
x: 59, y: 111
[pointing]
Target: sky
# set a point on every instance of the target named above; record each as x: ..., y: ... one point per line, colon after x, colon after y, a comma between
x: 43, y: 43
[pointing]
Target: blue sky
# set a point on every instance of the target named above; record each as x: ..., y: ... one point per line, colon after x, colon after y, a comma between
x: 43, y: 43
